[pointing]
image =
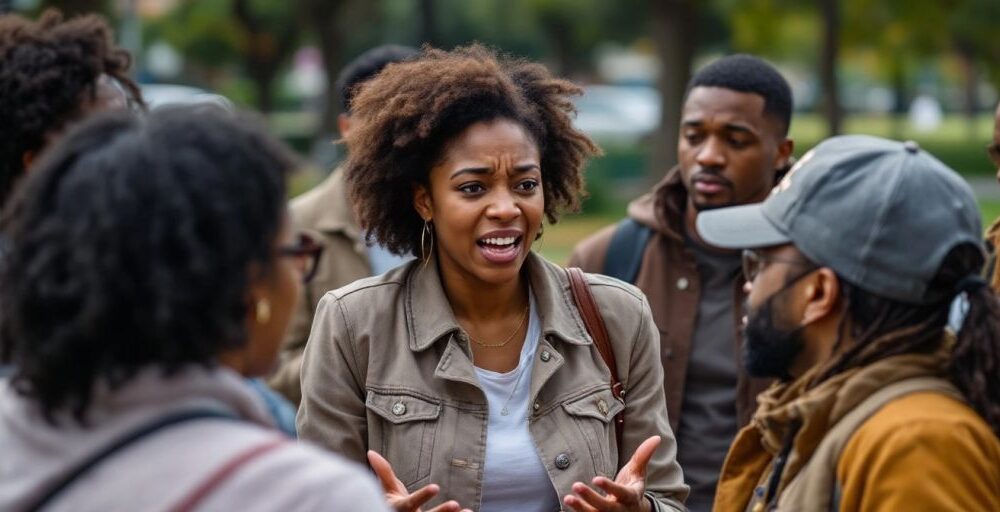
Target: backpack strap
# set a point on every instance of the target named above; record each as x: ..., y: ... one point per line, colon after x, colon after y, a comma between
x: 594, y: 323
x: 121, y: 443
x: 816, y: 487
x: 624, y: 257
x: 220, y: 475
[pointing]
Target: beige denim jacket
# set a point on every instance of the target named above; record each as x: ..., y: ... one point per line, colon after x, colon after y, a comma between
x: 388, y: 368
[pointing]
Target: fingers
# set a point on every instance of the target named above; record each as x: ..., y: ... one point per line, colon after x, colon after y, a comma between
x: 623, y: 493
x: 451, y: 506
x: 640, y: 459
x: 419, y: 497
x: 383, y: 470
x: 576, y: 504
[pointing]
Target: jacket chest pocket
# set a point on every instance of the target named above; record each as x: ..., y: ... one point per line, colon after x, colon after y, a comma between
x: 403, y: 432
x: 593, y: 415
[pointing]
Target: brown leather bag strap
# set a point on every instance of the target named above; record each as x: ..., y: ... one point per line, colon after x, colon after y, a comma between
x: 594, y: 323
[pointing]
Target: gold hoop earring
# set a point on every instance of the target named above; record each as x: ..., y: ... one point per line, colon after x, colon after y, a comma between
x: 262, y: 311
x: 425, y: 252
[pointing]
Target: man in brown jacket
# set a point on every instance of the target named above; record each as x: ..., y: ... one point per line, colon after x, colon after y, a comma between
x: 325, y: 212
x: 733, y: 141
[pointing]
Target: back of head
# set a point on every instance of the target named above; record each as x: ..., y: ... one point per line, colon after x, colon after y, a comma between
x: 130, y: 244
x: 48, y: 70
x: 366, y: 66
x: 746, y: 73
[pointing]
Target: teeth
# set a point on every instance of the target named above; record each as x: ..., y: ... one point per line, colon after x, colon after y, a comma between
x: 500, y: 241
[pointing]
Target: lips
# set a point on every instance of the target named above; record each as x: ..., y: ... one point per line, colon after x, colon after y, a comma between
x: 710, y: 185
x: 500, y: 247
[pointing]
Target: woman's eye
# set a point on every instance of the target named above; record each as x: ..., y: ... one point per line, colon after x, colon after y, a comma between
x: 527, y: 185
x: 471, y: 188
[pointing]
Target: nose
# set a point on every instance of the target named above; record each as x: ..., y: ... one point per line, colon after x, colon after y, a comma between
x: 712, y: 153
x: 503, y: 207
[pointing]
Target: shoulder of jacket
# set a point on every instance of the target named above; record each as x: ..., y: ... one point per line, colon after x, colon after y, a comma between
x: 926, y: 419
x: 609, y: 290
x: 391, y: 282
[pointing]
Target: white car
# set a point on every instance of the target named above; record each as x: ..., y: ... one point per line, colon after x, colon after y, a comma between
x: 159, y: 95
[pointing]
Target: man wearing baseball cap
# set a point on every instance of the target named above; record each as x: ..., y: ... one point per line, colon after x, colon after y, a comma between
x: 852, y: 264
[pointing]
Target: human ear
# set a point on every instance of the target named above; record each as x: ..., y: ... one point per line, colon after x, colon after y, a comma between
x: 821, y: 295
x: 422, y: 202
x: 785, y: 148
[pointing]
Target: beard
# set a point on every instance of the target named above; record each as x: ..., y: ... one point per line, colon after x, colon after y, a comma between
x: 768, y: 350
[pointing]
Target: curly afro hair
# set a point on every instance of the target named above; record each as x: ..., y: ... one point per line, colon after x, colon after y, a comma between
x: 129, y: 246
x: 47, y: 69
x: 407, y: 114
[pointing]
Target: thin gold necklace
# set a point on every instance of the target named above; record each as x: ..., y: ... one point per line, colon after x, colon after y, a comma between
x: 524, y: 316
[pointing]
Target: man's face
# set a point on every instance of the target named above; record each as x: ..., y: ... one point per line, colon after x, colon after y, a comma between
x: 773, y: 338
x: 728, y: 148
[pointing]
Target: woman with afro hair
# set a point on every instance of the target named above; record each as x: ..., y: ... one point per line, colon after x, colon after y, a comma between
x: 467, y: 378
x: 54, y: 72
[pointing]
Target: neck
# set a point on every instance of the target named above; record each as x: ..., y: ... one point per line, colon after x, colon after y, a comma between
x: 475, y: 300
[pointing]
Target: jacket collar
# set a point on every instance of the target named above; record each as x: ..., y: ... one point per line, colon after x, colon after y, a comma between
x: 663, y: 208
x: 336, y: 216
x: 430, y: 317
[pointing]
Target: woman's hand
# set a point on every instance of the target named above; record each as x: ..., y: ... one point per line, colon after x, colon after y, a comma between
x: 398, y: 497
x: 625, y: 494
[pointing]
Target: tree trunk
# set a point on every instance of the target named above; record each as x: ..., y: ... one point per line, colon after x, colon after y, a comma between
x: 970, y: 76
x: 323, y: 16
x: 675, y: 35
x: 830, y: 14
x: 266, y: 50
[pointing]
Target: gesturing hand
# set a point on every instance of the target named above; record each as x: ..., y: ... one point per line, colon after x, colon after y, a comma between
x: 398, y: 497
x: 625, y: 494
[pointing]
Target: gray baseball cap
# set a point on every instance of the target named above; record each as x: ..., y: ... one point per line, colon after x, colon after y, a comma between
x: 882, y: 214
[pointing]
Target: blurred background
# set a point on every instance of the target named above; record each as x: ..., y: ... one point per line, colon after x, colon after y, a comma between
x: 926, y: 70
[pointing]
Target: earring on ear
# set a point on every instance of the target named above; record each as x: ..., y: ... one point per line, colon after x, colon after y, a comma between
x: 425, y: 252
x: 541, y: 231
x: 262, y: 311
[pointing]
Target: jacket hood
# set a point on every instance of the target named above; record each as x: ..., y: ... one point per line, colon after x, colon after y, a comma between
x: 37, y: 453
x: 662, y: 209
x: 807, y: 409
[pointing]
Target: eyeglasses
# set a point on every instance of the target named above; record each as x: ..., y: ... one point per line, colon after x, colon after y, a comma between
x: 306, y: 253
x: 754, y: 262
x: 993, y: 150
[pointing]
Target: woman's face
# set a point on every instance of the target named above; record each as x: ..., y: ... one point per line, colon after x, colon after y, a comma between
x: 485, y: 201
x: 280, y: 287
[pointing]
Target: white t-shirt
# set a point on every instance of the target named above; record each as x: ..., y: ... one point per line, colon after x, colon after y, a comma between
x: 514, y: 478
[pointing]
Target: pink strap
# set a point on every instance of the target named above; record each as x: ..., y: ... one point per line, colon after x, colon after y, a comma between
x: 196, y: 496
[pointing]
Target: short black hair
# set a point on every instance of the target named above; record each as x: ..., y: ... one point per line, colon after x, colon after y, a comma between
x: 47, y: 67
x: 747, y: 73
x: 366, y: 66
x: 129, y: 246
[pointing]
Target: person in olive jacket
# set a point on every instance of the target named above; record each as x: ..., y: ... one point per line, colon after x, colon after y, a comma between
x: 467, y: 377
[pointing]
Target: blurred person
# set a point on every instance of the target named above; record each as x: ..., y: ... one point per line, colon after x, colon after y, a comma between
x: 852, y: 265
x: 993, y: 233
x: 151, y: 268
x: 733, y: 142
x: 53, y: 73
x: 325, y: 212
x: 468, y: 378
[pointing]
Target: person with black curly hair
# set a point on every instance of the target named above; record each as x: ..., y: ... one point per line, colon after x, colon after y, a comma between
x: 54, y: 72
x: 151, y: 268
x: 469, y: 377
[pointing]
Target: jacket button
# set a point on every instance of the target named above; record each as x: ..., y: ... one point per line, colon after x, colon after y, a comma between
x: 562, y: 461
x: 399, y: 408
x: 536, y: 406
x: 546, y: 356
x: 682, y: 283
x: 602, y: 406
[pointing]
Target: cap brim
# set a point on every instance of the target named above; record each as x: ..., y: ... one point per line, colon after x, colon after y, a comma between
x: 739, y: 227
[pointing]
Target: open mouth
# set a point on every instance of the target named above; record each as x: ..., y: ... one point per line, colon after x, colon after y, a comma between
x: 500, y: 249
